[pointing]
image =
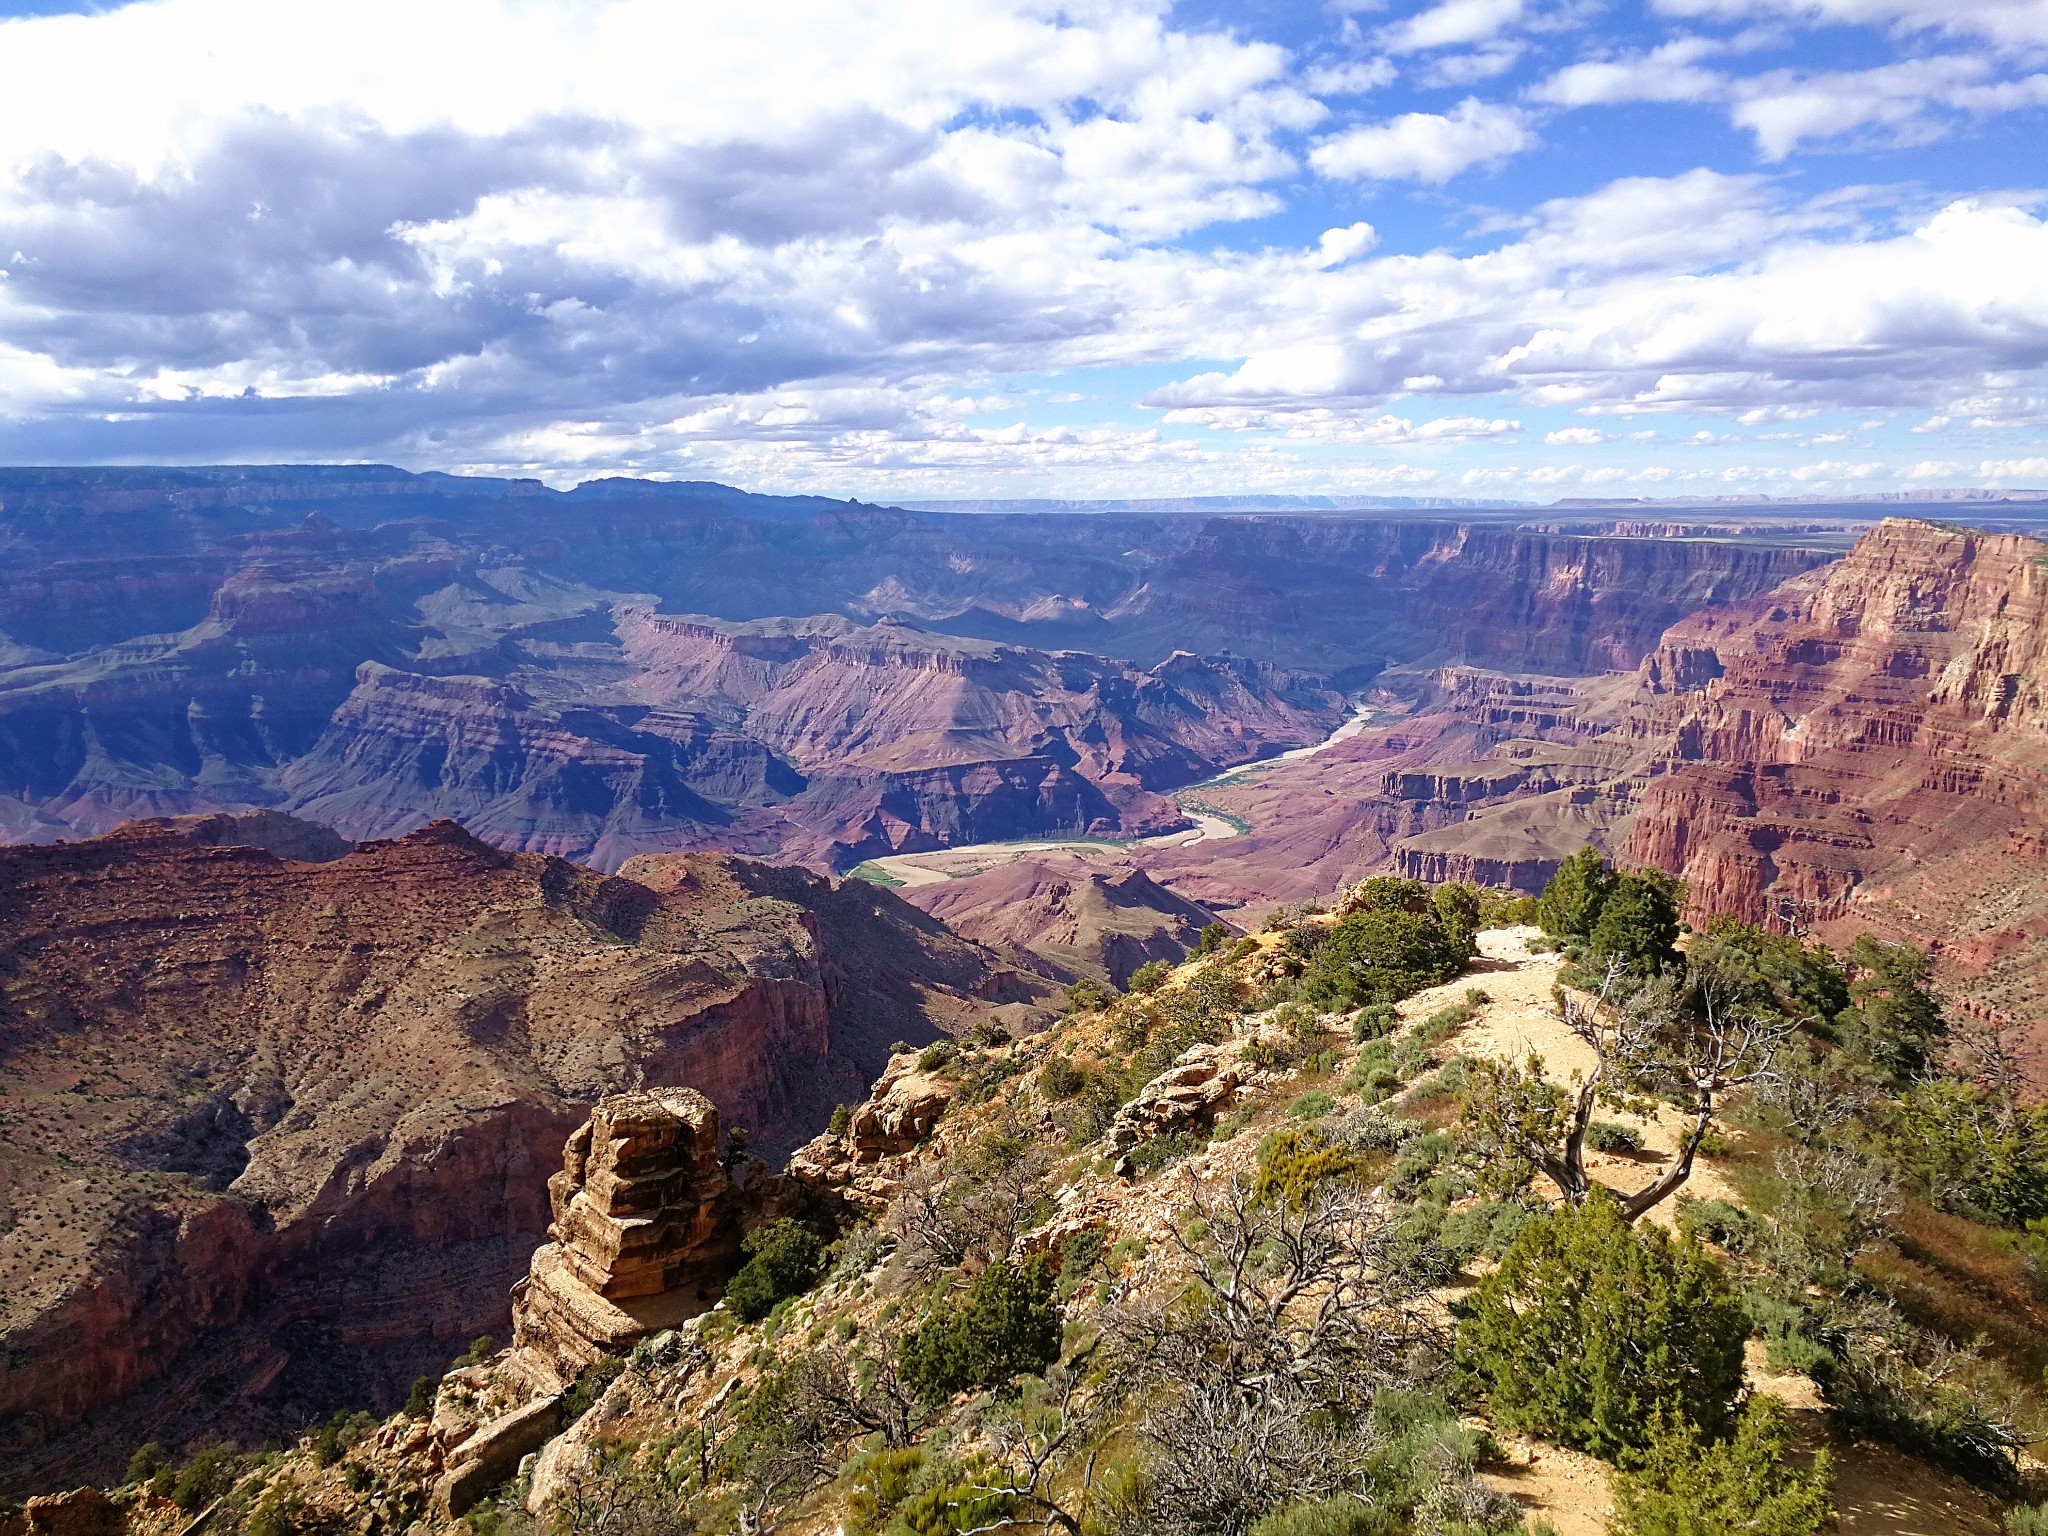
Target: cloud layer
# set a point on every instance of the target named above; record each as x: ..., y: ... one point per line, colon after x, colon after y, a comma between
x: 996, y: 244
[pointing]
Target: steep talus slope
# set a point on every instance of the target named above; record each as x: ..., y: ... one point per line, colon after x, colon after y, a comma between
x: 307, y: 639
x: 1102, y: 922
x: 273, y: 1131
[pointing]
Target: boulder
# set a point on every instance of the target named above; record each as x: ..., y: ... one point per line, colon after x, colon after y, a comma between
x: 1186, y: 1095
x: 492, y: 1453
x: 81, y: 1512
x: 904, y: 1109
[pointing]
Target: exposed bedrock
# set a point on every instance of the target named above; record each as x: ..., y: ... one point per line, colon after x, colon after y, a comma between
x: 633, y: 668
x: 276, y: 1134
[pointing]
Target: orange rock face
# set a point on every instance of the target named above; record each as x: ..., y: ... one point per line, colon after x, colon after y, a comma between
x: 640, y: 1191
x: 645, y: 1220
x: 1872, y: 753
x: 275, y: 1136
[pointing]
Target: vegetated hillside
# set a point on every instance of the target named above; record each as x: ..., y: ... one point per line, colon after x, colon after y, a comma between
x: 368, y: 646
x: 1864, y: 747
x: 272, y: 1130
x: 1264, y: 1249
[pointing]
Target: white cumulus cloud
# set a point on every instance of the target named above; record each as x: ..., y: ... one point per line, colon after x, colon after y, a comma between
x: 1426, y: 146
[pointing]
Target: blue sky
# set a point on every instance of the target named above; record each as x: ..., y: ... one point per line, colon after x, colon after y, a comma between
x: 1514, y: 249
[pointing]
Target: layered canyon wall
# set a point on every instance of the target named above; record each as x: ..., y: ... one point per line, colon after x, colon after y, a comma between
x: 276, y: 1133
x: 374, y: 649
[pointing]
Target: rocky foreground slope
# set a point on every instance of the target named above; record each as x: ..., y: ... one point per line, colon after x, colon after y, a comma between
x: 276, y: 1131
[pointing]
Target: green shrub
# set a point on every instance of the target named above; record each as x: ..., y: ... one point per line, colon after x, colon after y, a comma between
x: 331, y: 1441
x: 1346, y: 1515
x: 1080, y: 1254
x: 1157, y: 1152
x: 951, y: 1506
x: 1297, y: 1161
x: 1456, y: 906
x: 1009, y: 1326
x: 148, y: 1460
x: 939, y: 1053
x: 276, y: 1513
x: 1683, y: 1485
x: 1606, y: 1136
x: 1478, y: 997
x: 1373, y: 1021
x: 1061, y: 1079
x: 207, y: 1476
x: 588, y: 1387
x: 1974, y: 1152
x: 1591, y: 1327
x: 1638, y: 924
x: 1571, y: 901
x: 876, y: 1483
x: 1149, y: 977
x: 785, y: 1260
x: 1312, y: 1105
x: 1088, y: 996
x: 841, y: 1121
x: 1380, y: 955
x: 1445, y: 1022
x: 2028, y: 1520
x: 419, y: 1402
x: 1212, y: 938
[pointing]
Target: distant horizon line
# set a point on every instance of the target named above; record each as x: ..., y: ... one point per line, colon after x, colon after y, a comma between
x: 1306, y: 501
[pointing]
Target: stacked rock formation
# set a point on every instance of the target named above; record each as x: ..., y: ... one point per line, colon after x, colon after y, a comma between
x: 1185, y: 1096
x: 642, y: 1221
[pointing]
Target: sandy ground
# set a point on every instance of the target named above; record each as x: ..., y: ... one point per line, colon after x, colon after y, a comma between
x: 973, y: 858
x: 1522, y: 1020
x: 1879, y: 1492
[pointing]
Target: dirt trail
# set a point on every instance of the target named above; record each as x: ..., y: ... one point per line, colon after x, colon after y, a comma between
x: 1523, y: 1020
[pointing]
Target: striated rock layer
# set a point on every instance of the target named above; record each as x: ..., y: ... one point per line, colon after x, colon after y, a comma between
x: 632, y: 668
x: 1080, y: 915
x: 1864, y: 748
x: 273, y: 1134
x: 644, y: 1220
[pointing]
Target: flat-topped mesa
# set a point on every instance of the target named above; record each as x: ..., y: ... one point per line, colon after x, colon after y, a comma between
x: 644, y: 1220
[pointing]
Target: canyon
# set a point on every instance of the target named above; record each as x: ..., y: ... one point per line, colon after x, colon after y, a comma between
x: 276, y: 1130
x: 1860, y: 749
x: 636, y: 667
x: 365, y: 829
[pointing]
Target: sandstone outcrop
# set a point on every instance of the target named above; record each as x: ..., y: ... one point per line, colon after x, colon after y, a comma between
x: 903, y: 1110
x: 643, y: 1224
x: 1185, y: 1097
x: 274, y: 1135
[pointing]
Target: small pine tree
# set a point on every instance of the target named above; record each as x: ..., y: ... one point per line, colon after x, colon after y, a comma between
x: 1149, y: 977
x: 784, y: 1260
x: 1638, y: 923
x: 1009, y: 1326
x: 1895, y: 1021
x: 1683, y: 1485
x: 1591, y: 1327
x: 1570, y: 903
x: 1458, y: 912
x: 1381, y: 955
